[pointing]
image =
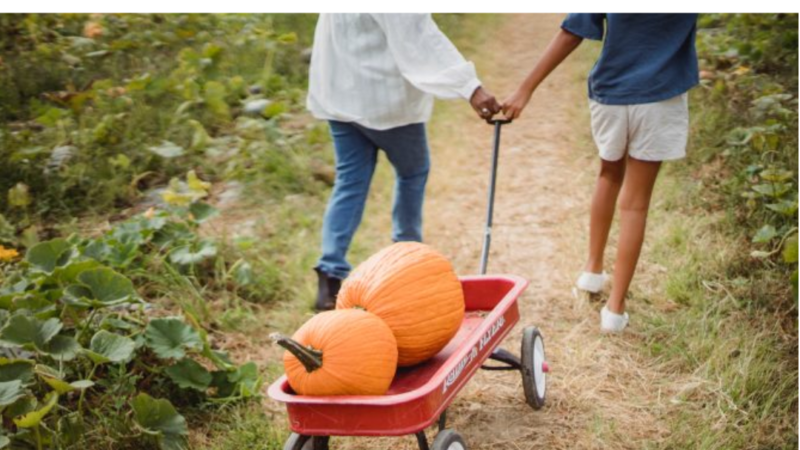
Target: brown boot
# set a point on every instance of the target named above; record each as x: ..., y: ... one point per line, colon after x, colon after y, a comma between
x: 327, y: 289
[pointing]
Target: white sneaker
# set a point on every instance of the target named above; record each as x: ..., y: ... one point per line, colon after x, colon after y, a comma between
x: 612, y: 322
x: 592, y: 282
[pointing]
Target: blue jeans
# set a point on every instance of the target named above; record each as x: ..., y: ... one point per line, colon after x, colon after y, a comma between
x: 356, y: 149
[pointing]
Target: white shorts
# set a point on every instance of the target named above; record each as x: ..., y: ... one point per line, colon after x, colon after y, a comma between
x: 649, y: 131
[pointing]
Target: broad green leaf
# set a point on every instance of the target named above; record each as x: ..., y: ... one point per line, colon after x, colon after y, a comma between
x: 128, y: 232
x: 69, y: 273
x: 223, y: 385
x: 78, y: 295
x: 4, y: 441
x: 16, y: 369
x: 158, y: 416
x: 202, y: 211
x: 773, y: 174
x: 34, y: 418
x: 37, y: 302
x: 97, y: 250
x: 774, y: 190
x: 790, y: 250
x: 107, y: 286
x: 193, y: 253
x: 220, y: 359
x: 171, y: 337
x: 26, y: 330
x: 248, y: 379
x: 102, y: 286
x: 121, y: 255
x: 167, y: 149
x: 784, y: 207
x: 23, y: 405
x: 62, y: 348
x: 765, y: 234
x: 109, y: 347
x: 244, y: 381
x: 48, y: 255
x: 171, y: 234
x: 10, y: 391
x: 188, y: 374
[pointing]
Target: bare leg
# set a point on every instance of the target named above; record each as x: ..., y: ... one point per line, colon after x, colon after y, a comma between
x: 609, y: 182
x: 633, y: 205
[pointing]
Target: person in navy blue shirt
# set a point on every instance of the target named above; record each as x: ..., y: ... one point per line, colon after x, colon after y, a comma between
x: 638, y: 102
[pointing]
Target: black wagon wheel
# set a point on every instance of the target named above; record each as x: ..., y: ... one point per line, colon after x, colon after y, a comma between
x: 534, y: 367
x: 303, y: 442
x: 448, y: 440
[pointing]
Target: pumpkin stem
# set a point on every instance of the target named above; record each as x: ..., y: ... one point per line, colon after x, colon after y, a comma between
x: 310, y: 358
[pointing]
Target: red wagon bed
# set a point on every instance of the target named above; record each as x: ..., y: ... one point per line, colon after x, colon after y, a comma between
x: 420, y: 395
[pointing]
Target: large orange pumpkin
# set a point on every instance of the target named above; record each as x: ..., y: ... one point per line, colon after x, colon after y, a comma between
x: 347, y: 352
x: 414, y: 289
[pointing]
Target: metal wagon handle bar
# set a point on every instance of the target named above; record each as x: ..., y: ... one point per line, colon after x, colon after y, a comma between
x: 487, y: 234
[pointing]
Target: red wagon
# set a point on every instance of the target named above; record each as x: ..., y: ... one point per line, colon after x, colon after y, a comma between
x: 420, y: 395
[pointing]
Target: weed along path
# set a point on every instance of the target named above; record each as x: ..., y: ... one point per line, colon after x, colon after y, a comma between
x: 601, y: 392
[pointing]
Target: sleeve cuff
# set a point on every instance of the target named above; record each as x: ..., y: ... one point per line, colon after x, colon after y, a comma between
x: 469, y: 88
x: 592, y: 36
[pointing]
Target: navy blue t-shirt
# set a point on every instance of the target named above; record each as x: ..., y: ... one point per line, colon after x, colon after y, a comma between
x: 646, y: 57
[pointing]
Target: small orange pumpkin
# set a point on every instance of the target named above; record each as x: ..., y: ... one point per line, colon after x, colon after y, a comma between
x: 415, y: 290
x: 346, y: 352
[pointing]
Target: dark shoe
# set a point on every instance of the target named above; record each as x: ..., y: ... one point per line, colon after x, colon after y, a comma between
x: 327, y: 289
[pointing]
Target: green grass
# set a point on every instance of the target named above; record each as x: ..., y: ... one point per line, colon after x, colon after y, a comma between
x: 723, y: 330
x: 240, y: 426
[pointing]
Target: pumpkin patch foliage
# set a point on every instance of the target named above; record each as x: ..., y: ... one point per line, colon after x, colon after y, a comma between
x: 72, y: 327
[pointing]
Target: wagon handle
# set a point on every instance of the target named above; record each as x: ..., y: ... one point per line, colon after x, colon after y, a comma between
x: 487, y: 234
x: 498, y: 121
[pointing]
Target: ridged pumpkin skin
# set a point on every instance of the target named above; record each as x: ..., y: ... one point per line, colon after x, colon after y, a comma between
x: 359, y: 355
x: 415, y: 290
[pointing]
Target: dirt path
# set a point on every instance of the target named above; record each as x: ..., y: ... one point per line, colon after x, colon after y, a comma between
x: 601, y: 394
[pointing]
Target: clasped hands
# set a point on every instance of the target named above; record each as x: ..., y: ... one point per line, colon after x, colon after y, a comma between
x: 486, y: 105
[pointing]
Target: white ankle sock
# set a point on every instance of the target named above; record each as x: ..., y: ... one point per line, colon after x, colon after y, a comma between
x: 592, y: 282
x: 612, y: 322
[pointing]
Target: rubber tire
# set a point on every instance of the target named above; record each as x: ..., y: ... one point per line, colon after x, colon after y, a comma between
x: 529, y: 337
x: 446, y: 439
x: 308, y: 442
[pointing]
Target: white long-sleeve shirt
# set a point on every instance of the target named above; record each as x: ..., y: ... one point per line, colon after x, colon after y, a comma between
x: 383, y: 70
